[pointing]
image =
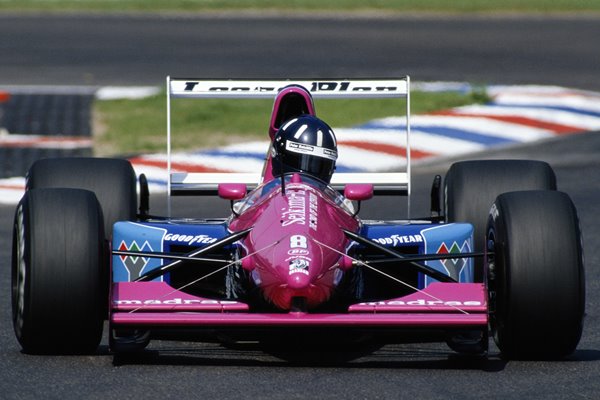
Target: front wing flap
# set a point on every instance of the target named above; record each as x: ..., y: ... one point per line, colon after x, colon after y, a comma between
x: 149, y: 305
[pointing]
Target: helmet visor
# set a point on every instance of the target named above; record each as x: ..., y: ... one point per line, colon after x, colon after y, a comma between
x: 320, y: 167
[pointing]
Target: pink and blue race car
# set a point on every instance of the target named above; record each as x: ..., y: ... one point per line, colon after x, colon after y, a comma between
x: 500, y: 253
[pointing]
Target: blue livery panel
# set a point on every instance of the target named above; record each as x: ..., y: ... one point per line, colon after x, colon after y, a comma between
x: 429, y: 239
x: 405, y: 238
x: 156, y: 237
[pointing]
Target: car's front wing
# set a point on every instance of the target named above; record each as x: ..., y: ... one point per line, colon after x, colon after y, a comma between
x: 156, y: 305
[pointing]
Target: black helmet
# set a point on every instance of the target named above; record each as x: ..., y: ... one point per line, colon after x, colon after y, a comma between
x: 305, y: 144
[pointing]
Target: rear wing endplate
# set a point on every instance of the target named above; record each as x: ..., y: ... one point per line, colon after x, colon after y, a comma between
x: 206, y: 183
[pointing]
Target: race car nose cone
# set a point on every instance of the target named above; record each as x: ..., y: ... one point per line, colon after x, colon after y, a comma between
x: 298, y: 280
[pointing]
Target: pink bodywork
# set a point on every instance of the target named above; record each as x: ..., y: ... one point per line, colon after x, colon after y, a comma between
x: 296, y: 244
x: 440, y: 305
x: 296, y: 250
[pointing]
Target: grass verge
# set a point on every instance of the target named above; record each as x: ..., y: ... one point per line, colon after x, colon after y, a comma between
x: 134, y: 126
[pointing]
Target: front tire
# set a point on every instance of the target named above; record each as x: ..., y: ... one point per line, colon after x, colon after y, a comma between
x: 57, y: 293
x: 535, y: 275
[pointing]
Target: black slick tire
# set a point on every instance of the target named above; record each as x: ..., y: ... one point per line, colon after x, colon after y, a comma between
x: 470, y: 188
x: 535, y: 275
x: 57, y: 262
x: 112, y: 181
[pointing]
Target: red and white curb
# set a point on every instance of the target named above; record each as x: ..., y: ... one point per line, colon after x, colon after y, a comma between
x: 517, y: 114
x: 11, y: 190
x: 44, y: 142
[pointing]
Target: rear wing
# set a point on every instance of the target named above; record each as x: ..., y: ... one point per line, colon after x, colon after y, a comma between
x: 206, y: 183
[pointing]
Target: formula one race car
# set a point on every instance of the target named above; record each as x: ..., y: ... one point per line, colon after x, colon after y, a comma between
x: 294, y: 259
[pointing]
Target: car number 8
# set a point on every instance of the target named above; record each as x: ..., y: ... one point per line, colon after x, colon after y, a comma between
x: 298, y: 241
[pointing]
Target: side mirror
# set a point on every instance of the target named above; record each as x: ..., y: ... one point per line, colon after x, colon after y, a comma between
x: 358, y: 191
x: 232, y: 191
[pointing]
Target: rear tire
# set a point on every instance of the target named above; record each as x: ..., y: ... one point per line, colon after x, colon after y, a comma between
x: 112, y: 180
x: 535, y: 275
x: 470, y: 188
x: 57, y: 268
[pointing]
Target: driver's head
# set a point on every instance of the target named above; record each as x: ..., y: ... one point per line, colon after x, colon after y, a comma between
x: 305, y: 144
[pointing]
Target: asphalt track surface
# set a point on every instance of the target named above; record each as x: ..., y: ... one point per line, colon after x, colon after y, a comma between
x: 184, y: 370
x: 125, y: 50
x: 169, y: 370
